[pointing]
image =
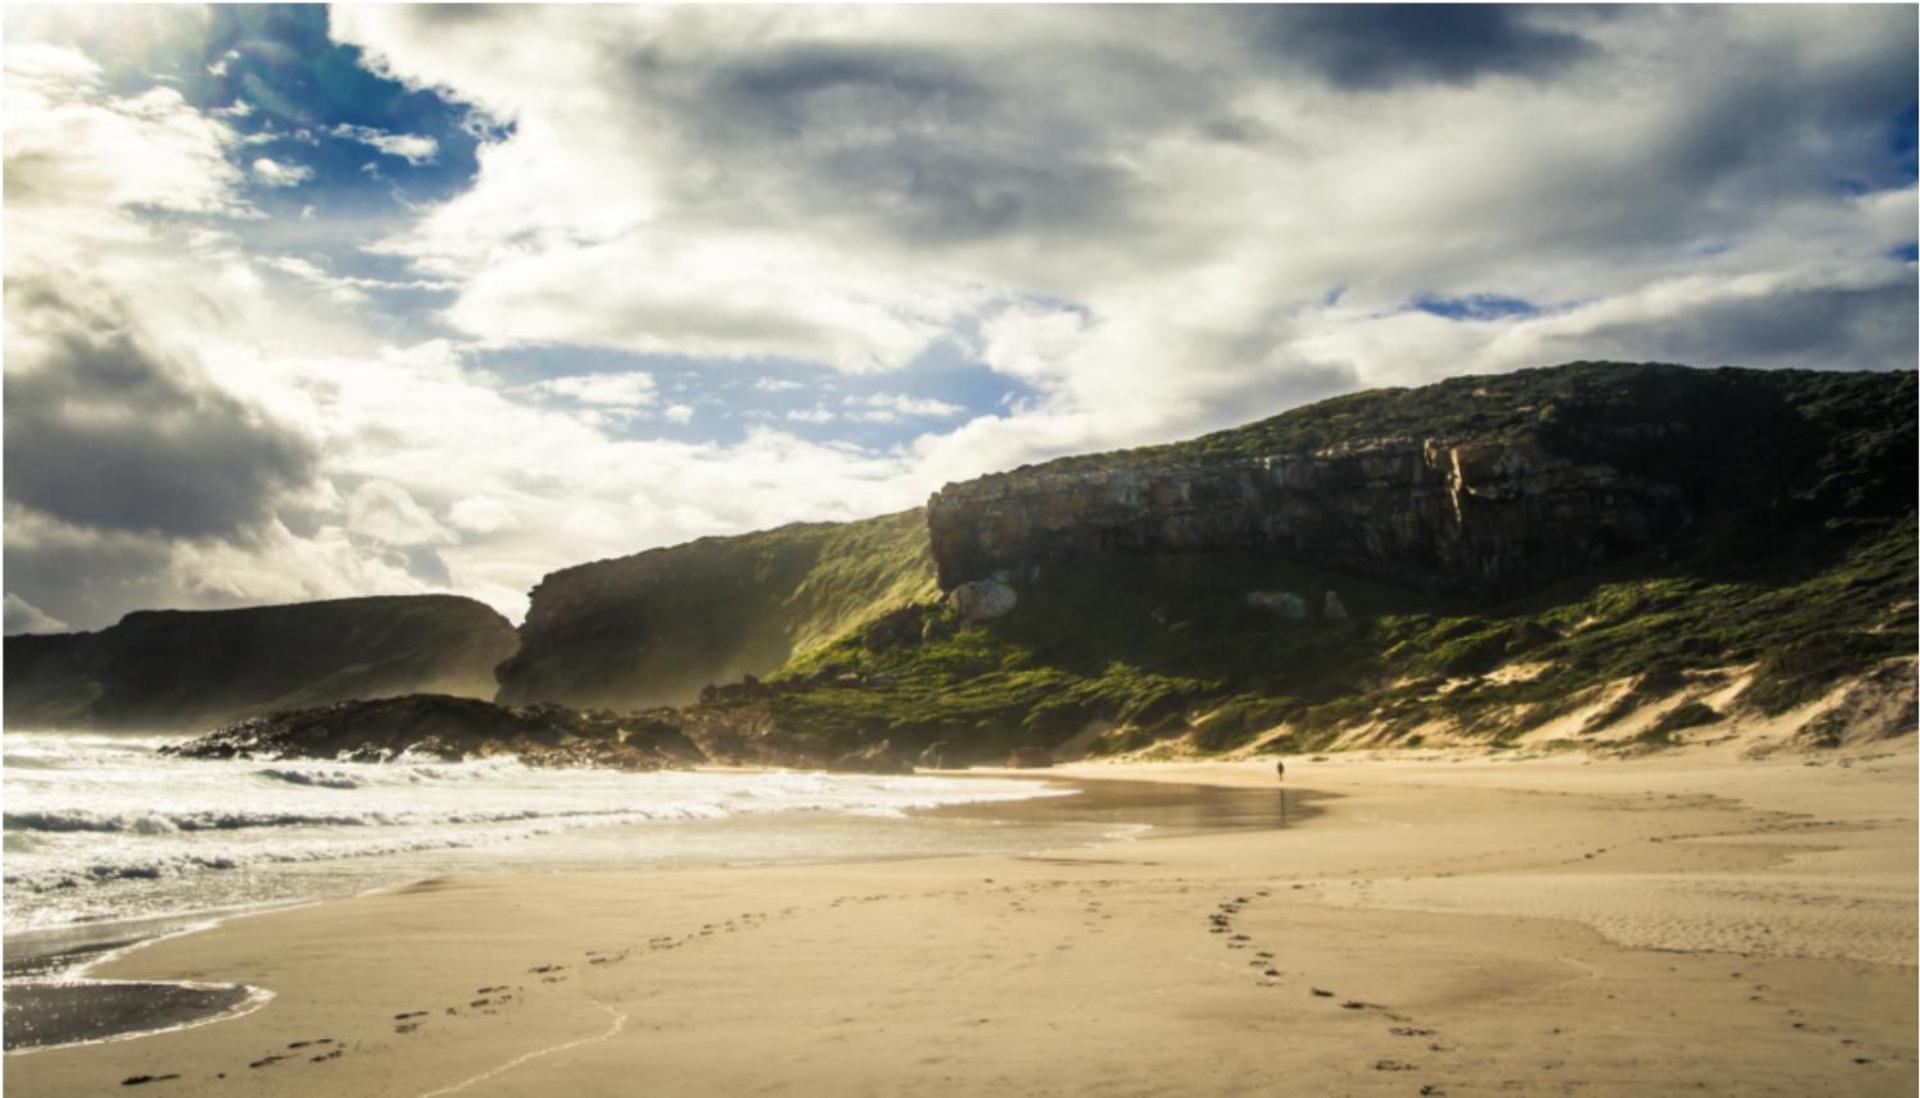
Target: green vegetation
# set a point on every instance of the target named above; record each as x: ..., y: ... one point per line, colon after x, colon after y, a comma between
x: 656, y: 627
x: 1086, y: 651
x: 1801, y: 565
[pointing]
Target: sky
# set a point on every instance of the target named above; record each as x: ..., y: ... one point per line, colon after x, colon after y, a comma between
x: 306, y: 303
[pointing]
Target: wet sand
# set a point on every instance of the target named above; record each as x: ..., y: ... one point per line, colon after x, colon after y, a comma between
x: 1692, y: 923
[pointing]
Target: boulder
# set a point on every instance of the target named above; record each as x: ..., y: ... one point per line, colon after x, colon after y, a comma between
x: 937, y: 756
x: 1030, y: 758
x: 892, y: 629
x: 1284, y: 603
x: 879, y: 758
x: 983, y: 600
x: 1333, y: 609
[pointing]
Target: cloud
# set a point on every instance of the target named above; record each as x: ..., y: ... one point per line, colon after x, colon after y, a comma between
x: 106, y: 429
x: 24, y: 617
x: 1162, y: 187
x: 893, y: 407
x: 482, y: 515
x: 344, y: 289
x: 273, y: 173
x: 627, y: 390
x: 386, y: 512
x: 112, y: 420
x: 70, y: 146
x: 1379, y: 46
x: 415, y: 149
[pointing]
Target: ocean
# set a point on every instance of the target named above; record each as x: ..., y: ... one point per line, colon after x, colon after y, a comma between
x: 103, y: 827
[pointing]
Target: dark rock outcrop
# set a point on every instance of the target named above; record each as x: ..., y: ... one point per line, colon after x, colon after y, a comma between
x: 449, y: 728
x: 196, y: 669
x: 1481, y: 517
x: 1481, y: 486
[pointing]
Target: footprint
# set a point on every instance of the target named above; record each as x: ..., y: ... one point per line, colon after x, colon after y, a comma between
x: 1392, y: 1065
x: 1323, y: 993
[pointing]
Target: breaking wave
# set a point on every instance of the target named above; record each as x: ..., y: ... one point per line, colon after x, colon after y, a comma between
x: 98, y: 825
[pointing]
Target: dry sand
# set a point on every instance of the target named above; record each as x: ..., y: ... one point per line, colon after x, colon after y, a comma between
x: 1690, y: 923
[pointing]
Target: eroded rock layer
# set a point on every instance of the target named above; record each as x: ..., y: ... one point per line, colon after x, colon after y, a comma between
x: 1488, y: 486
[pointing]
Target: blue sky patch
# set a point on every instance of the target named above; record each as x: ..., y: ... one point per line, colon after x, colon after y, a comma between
x: 1474, y: 306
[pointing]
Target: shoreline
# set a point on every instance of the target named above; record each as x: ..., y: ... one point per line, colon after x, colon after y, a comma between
x: 67, y: 1007
x: 1472, y: 920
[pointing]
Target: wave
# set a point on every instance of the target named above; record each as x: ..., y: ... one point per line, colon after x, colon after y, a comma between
x: 157, y: 867
x: 160, y: 823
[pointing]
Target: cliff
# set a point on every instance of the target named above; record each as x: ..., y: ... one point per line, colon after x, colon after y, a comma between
x: 1592, y: 555
x: 1482, y: 486
x: 656, y: 627
x: 194, y: 669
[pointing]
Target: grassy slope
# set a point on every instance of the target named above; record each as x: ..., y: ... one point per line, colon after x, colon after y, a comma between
x: 1803, y: 562
x: 656, y: 627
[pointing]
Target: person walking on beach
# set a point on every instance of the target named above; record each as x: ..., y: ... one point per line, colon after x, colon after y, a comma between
x: 1280, y: 770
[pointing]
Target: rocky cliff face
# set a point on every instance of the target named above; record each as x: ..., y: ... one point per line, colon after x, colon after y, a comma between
x: 1475, y: 517
x: 193, y: 670
x: 1487, y: 486
x: 656, y: 627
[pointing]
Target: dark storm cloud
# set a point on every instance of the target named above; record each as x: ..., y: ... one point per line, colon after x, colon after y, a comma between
x: 83, y: 581
x: 906, y: 138
x: 1370, y: 47
x: 797, y: 90
x: 24, y: 617
x: 105, y: 431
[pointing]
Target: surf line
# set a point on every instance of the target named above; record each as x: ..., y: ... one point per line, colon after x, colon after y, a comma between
x: 619, y: 1023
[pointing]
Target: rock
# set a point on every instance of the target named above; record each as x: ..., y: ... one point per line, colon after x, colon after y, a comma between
x: 879, y: 758
x: 1030, y: 758
x: 1465, y: 509
x: 1334, y: 609
x: 892, y: 629
x: 1284, y: 603
x: 936, y: 756
x: 983, y: 600
x: 450, y: 728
